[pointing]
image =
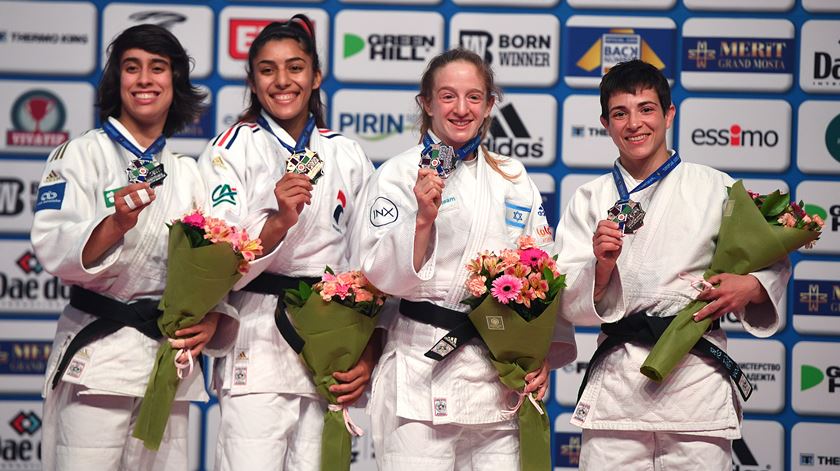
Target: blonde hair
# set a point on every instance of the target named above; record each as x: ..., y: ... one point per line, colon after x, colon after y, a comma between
x: 427, y: 84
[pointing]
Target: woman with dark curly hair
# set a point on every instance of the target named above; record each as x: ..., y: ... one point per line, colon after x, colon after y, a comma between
x: 100, y: 225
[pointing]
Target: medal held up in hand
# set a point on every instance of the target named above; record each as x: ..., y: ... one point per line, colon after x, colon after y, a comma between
x: 150, y: 172
x: 306, y: 163
x: 441, y: 158
x: 628, y: 215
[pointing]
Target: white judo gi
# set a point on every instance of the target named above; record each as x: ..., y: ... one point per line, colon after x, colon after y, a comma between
x: 271, y: 415
x: 89, y: 417
x: 435, y: 415
x: 683, y: 214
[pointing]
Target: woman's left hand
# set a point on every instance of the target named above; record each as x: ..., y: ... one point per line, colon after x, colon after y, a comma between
x: 732, y: 294
x: 195, y: 338
x: 352, y: 383
x: 537, y: 381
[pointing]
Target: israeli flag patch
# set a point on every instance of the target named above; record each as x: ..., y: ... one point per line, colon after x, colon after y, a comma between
x: 516, y: 215
x: 50, y: 196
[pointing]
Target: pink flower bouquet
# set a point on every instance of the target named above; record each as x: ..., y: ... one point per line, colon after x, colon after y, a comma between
x: 515, y: 298
x: 206, y: 257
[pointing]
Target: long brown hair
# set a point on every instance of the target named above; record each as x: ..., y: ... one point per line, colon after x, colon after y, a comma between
x: 299, y: 28
x: 427, y: 85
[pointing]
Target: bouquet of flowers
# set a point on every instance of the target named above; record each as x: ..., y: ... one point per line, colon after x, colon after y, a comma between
x: 336, y: 325
x: 756, y: 231
x: 514, y: 298
x: 206, y: 258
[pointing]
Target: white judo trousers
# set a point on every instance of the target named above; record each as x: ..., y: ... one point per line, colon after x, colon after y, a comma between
x: 272, y: 416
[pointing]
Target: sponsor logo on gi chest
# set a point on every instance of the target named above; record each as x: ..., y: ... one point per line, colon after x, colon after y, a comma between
x: 38, y: 117
x: 20, y: 448
x: 24, y: 357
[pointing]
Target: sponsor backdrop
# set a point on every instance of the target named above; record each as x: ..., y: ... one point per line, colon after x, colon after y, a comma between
x: 756, y: 85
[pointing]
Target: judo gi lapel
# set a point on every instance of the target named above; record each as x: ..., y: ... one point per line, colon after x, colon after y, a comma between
x: 478, y: 227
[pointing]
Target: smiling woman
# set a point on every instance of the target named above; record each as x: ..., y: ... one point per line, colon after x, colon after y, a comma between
x: 100, y: 226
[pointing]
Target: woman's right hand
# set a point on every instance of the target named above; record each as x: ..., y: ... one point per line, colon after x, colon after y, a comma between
x: 292, y: 192
x: 427, y: 190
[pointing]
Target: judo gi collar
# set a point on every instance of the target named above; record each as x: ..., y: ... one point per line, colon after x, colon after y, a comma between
x: 444, y: 158
x: 300, y: 145
x: 627, y: 213
x: 118, y: 137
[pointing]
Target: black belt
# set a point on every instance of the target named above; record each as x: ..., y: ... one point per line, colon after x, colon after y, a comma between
x: 112, y: 315
x: 271, y: 283
x: 457, y: 323
x: 647, y: 330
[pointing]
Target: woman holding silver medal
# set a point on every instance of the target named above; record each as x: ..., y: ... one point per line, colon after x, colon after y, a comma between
x: 280, y: 175
x: 424, y: 224
x: 100, y: 226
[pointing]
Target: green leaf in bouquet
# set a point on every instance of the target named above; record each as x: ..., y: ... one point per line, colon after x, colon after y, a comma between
x: 775, y: 204
x: 305, y: 290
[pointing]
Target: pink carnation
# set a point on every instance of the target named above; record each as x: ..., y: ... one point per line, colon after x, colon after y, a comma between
x: 363, y: 295
x: 526, y: 242
x: 476, y: 285
x: 506, y: 288
x: 787, y: 220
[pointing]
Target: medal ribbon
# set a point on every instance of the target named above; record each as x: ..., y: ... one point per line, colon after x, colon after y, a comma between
x: 300, y: 145
x: 659, y: 174
x: 144, y: 157
x: 461, y: 153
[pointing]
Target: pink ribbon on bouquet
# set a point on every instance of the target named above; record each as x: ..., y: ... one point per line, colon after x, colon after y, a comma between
x: 184, y: 366
x: 697, y: 282
x: 508, y: 414
x: 354, y: 429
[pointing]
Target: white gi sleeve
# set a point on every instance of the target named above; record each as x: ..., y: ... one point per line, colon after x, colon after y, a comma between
x: 66, y: 212
x: 237, y: 177
x: 386, y: 239
x: 573, y: 244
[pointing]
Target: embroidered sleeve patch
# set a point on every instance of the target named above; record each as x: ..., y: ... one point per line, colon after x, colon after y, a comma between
x: 383, y: 212
x: 50, y: 196
x: 516, y: 215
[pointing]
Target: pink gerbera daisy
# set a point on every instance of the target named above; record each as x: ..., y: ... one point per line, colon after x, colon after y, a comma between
x: 532, y: 257
x: 505, y: 288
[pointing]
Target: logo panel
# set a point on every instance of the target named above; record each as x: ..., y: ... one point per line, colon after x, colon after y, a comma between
x: 567, y: 444
x: 819, y: 56
x: 821, y: 6
x: 524, y: 126
x: 730, y: 54
x: 740, y: 5
x: 383, y: 122
x: 48, y: 38
x: 816, y: 297
x: 512, y: 3
x: 238, y: 26
x: 192, y: 25
x: 522, y: 49
x: 25, y: 348
x: 736, y: 134
x: 20, y: 428
x: 816, y: 378
x: 813, y: 446
x: 823, y: 198
x: 548, y: 190
x: 818, y: 137
x: 760, y: 448
x: 624, y: 4
x: 24, y: 286
x: 385, y: 46
x: 593, y: 44
x: 36, y: 117
x: 19, y: 181
x: 763, y: 362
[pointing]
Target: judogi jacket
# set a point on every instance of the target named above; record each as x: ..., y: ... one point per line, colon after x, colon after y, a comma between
x: 683, y: 214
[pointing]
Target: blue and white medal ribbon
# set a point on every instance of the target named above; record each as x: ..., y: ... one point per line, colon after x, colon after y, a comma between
x: 300, y: 144
x: 143, y: 167
x: 626, y: 212
x: 444, y: 158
